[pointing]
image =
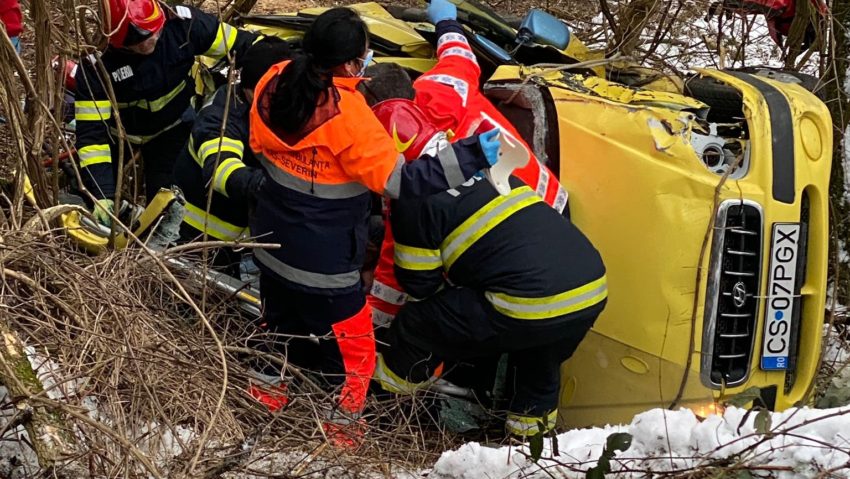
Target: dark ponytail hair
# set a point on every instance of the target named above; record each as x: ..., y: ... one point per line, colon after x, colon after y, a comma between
x: 336, y: 37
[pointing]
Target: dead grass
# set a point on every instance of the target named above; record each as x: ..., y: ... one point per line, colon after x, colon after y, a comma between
x: 127, y: 352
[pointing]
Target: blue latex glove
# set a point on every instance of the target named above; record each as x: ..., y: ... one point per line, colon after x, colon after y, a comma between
x: 490, y: 145
x: 440, y: 10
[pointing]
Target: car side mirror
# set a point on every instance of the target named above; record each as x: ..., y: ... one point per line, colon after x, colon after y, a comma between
x: 544, y: 29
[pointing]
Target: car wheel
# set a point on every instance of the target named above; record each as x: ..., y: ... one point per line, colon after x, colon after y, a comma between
x: 725, y: 102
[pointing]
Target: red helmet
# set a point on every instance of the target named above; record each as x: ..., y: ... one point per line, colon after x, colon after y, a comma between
x: 68, y: 73
x: 131, y: 21
x: 410, y: 128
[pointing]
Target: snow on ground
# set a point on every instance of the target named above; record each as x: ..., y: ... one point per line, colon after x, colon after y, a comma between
x: 836, y: 362
x: 801, y: 443
x: 805, y: 442
x: 17, y: 459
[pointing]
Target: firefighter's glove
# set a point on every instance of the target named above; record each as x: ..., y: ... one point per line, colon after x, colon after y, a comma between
x: 490, y: 145
x: 440, y: 10
x: 102, y: 208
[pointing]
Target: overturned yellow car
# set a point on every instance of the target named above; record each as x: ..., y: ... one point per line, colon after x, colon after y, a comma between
x: 707, y: 198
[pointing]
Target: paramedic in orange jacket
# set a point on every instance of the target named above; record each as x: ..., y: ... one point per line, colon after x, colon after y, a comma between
x: 448, y: 94
x: 323, y: 152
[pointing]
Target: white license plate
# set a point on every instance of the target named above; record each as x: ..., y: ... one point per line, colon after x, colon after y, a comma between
x: 781, y: 278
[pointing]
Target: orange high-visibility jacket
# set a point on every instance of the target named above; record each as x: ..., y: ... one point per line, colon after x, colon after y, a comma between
x: 317, y: 199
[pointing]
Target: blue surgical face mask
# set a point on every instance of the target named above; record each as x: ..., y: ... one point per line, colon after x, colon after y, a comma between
x: 366, y: 62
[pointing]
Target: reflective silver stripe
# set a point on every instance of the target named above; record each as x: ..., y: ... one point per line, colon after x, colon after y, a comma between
x: 393, y: 187
x: 425, y: 262
x: 388, y: 293
x: 184, y: 12
x: 211, y: 147
x: 415, y: 258
x: 459, y: 52
x: 223, y: 172
x: 459, y: 86
x: 92, y: 110
x: 449, y: 249
x: 451, y: 37
x: 451, y: 167
x: 329, y: 192
x: 340, y: 417
x: 543, y: 182
x: 381, y: 319
x: 560, y: 200
x: 307, y: 278
x: 94, y: 154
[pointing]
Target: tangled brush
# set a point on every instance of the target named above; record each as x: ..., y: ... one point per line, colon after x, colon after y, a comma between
x: 133, y: 382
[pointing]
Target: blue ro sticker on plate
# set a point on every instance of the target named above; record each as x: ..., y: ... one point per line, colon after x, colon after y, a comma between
x: 780, y: 295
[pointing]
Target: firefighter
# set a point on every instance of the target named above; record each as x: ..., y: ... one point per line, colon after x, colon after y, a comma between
x: 493, y: 274
x: 224, y: 161
x: 323, y: 151
x: 147, y: 64
x: 449, y: 97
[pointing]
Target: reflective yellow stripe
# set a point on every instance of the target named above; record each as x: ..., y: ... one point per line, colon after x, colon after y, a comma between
x: 550, y: 306
x: 519, y: 425
x: 94, y: 154
x: 193, y: 152
x: 92, y: 110
x: 211, y: 147
x: 142, y: 139
x: 159, y: 103
x: 224, y: 39
x: 391, y: 382
x: 215, y: 226
x: 223, y: 172
x: 484, y: 220
x: 417, y: 259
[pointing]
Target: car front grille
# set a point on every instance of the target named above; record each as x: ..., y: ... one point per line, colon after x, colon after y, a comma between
x: 732, y: 301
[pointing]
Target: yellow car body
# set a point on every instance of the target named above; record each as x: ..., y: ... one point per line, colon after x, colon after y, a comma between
x: 667, y: 224
x: 642, y: 195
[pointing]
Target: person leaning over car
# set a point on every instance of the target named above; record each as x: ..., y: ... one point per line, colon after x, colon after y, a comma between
x: 448, y: 95
x: 323, y: 151
x: 492, y: 274
x: 147, y: 63
x: 224, y: 160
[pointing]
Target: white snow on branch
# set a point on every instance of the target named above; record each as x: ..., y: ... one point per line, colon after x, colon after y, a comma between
x: 802, y: 443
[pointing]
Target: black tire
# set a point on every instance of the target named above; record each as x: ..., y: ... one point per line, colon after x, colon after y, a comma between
x: 725, y: 103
